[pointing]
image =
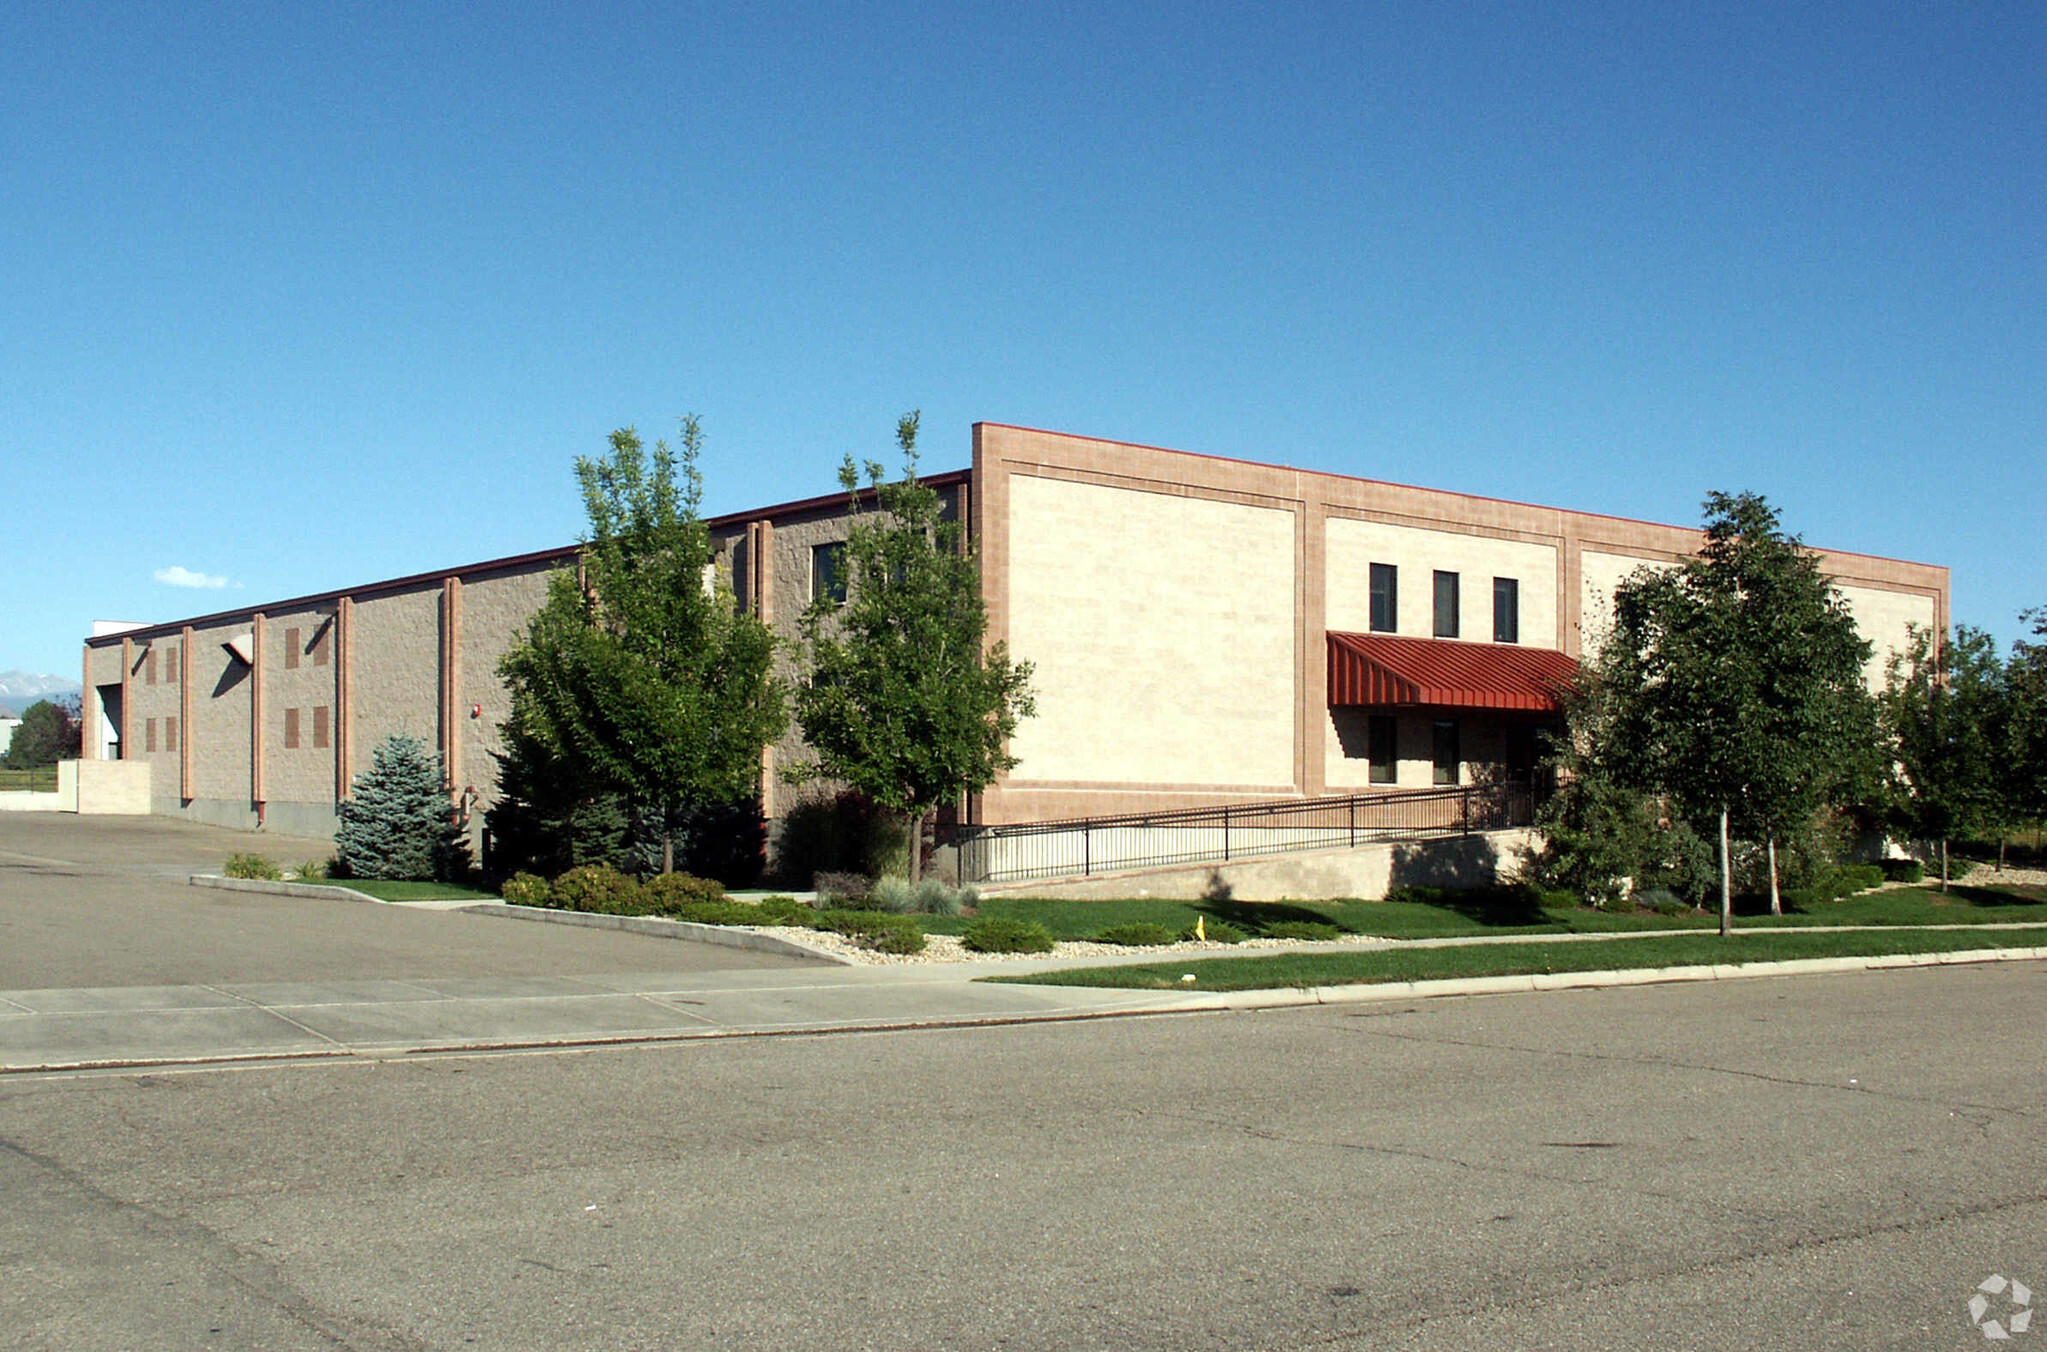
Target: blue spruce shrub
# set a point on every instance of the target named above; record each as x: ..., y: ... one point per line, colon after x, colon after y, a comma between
x: 398, y: 822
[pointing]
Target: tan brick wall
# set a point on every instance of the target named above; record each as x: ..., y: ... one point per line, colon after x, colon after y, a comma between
x: 1884, y: 619
x: 496, y: 609
x: 220, y: 712
x: 305, y: 773
x: 397, y: 677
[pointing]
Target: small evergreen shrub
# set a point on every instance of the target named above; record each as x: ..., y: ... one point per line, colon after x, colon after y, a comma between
x: 1301, y: 929
x: 1137, y: 934
x: 878, y: 930
x: 780, y: 910
x: 668, y: 892
x: 249, y: 866
x: 995, y: 934
x: 397, y: 822
x: 834, y: 889
x: 931, y: 896
x: 714, y: 913
x: 526, y: 889
x: 1904, y: 870
x: 598, y: 888
x: 1215, y: 932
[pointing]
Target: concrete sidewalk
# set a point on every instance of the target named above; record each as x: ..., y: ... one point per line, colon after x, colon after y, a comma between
x: 155, y: 1025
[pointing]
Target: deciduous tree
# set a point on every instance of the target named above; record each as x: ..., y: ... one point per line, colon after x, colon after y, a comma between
x: 901, y: 699
x: 48, y: 734
x: 1947, y: 710
x: 640, y: 671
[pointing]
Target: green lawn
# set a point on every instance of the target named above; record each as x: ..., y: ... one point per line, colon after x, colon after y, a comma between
x: 40, y: 780
x: 1449, y: 915
x: 383, y: 890
x: 1427, y: 964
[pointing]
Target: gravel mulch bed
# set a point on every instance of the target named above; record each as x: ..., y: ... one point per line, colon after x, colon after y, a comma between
x: 947, y: 948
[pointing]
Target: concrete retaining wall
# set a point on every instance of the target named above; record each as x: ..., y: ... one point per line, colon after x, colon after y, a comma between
x: 1368, y: 872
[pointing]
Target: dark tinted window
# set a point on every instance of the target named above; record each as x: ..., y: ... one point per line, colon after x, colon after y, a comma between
x: 1446, y: 605
x: 1447, y: 756
x: 1385, y: 598
x: 1506, y: 610
x: 1382, y: 749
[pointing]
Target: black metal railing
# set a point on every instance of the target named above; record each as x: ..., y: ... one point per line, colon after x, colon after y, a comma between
x: 1084, y: 846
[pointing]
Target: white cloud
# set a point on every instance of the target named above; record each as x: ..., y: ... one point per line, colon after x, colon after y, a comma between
x: 175, y: 576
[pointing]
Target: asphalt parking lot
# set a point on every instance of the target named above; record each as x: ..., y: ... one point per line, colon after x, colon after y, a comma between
x: 103, y: 901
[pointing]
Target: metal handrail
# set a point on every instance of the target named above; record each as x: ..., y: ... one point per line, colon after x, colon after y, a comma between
x: 1085, y: 846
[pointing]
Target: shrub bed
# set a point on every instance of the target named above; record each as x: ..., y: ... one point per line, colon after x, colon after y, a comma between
x: 250, y: 866
x: 1139, y: 934
x: 526, y: 889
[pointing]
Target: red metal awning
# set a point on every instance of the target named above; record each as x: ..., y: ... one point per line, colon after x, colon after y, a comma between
x: 1379, y: 669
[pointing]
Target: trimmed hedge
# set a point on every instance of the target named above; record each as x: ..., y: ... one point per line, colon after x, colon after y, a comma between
x: 1138, y: 934
x: 880, y: 931
x: 526, y: 889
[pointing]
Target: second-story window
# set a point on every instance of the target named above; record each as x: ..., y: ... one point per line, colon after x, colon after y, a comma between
x: 1506, y: 610
x: 1446, y: 605
x: 828, y: 572
x: 1385, y: 598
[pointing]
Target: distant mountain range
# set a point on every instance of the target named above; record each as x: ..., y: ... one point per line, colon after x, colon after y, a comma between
x: 22, y: 688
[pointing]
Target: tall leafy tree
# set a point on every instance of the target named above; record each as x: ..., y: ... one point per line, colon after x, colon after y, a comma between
x: 1737, y: 680
x: 48, y: 734
x: 2026, y: 751
x: 1947, y: 710
x: 640, y: 672
x: 902, y: 700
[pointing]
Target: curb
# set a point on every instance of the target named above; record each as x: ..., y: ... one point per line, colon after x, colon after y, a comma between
x: 724, y: 936
x: 284, y: 889
x: 1293, y: 996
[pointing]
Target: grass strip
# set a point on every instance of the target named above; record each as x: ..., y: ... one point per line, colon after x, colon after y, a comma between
x: 388, y: 890
x: 1509, y: 911
x: 1432, y: 964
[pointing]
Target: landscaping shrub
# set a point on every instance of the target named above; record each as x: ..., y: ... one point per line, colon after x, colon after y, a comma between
x: 1215, y: 932
x: 312, y: 871
x: 715, y: 913
x: 1660, y: 900
x: 249, y: 866
x: 833, y: 888
x: 668, y: 892
x: 930, y: 897
x: 995, y: 934
x: 598, y: 888
x: 878, y: 930
x: 1138, y: 934
x: 779, y: 910
x: 1301, y: 929
x: 839, y: 831
x: 396, y: 822
x: 525, y: 889
x: 1903, y: 870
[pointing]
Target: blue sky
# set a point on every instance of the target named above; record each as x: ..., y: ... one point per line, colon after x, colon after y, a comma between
x: 301, y: 296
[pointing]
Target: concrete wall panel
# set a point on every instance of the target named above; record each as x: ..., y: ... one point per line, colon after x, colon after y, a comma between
x: 397, y: 670
x: 1885, y: 619
x: 1162, y: 633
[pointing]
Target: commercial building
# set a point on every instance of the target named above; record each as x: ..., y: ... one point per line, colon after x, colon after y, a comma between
x: 1202, y: 631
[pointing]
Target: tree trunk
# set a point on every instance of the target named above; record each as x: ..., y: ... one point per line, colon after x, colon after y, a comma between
x: 667, y: 850
x: 1943, y: 865
x: 1726, y: 883
x: 1776, y: 898
x: 917, y: 846
x: 2000, y: 854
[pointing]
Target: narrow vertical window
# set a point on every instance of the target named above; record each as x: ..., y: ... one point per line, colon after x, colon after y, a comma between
x: 1448, y: 759
x: 1446, y: 605
x: 291, y: 728
x: 170, y: 734
x: 828, y: 572
x: 1385, y: 598
x: 149, y: 664
x: 1382, y: 749
x: 291, y: 649
x: 170, y: 666
x: 319, y: 726
x: 149, y: 734
x: 1506, y: 610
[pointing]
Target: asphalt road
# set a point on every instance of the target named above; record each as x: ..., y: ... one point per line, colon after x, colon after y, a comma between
x: 1820, y: 1162
x: 103, y: 901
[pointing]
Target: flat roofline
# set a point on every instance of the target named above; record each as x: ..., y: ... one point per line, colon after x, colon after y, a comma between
x: 947, y: 479
x: 1418, y: 488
